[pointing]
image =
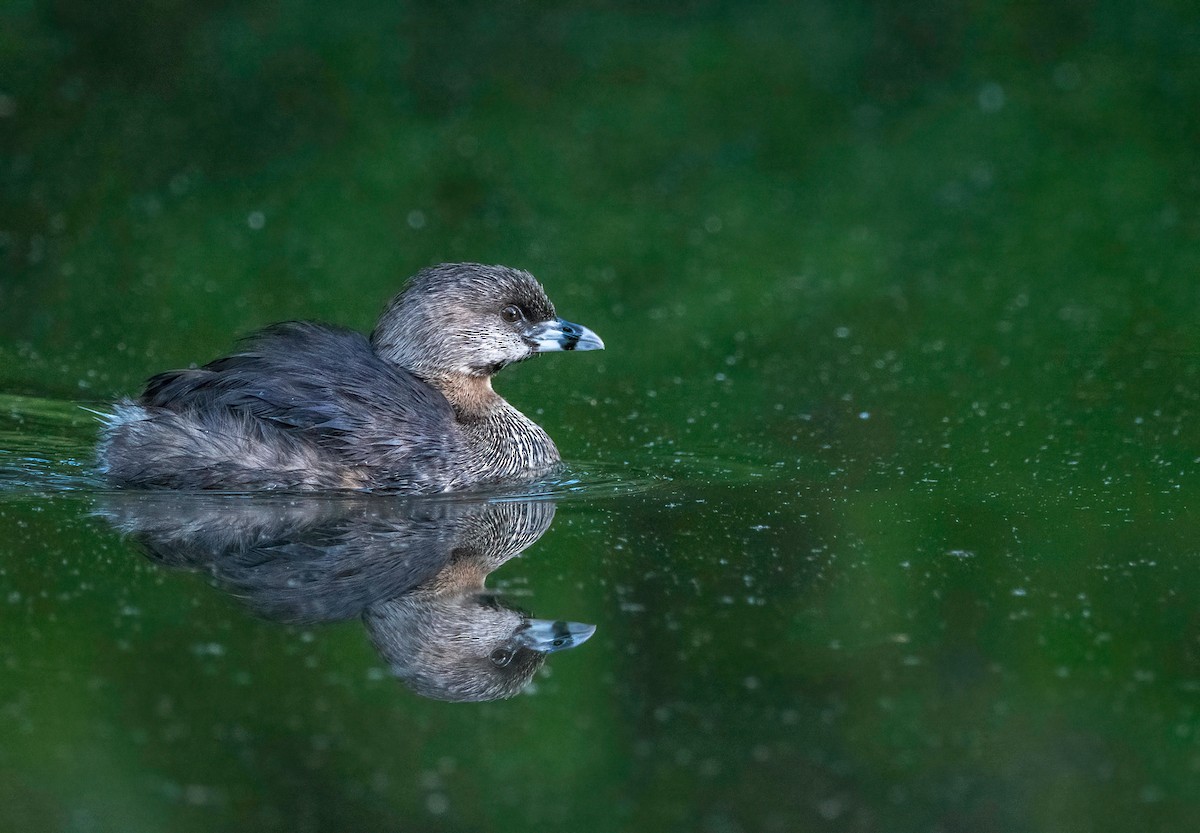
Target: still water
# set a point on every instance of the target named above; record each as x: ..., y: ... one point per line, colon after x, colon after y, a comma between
x: 772, y: 647
x: 879, y: 507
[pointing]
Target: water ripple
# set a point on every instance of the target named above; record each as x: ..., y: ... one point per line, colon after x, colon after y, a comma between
x: 48, y: 445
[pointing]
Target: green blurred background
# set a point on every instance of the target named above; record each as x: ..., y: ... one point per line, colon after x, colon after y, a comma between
x: 903, y: 297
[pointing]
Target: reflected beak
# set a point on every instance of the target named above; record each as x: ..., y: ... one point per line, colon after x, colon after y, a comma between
x: 551, y: 336
x: 547, y: 637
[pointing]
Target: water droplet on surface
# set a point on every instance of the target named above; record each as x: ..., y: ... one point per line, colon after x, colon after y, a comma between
x: 991, y: 98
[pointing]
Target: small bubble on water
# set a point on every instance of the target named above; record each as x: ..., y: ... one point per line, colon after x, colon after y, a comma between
x: 830, y: 808
x: 256, y: 220
x: 991, y: 98
x: 1150, y: 794
x: 198, y: 795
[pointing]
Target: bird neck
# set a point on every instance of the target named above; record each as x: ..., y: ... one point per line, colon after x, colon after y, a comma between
x: 471, y: 397
x: 506, y: 441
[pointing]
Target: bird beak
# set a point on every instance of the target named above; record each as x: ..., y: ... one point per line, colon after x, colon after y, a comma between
x: 547, y: 637
x: 556, y: 334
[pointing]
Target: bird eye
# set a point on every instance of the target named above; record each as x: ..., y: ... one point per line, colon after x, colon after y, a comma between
x: 501, y: 657
x: 511, y: 313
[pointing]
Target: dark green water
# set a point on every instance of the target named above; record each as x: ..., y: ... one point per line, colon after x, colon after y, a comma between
x: 883, y: 491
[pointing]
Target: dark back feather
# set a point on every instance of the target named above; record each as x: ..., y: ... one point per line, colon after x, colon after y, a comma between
x: 326, y: 388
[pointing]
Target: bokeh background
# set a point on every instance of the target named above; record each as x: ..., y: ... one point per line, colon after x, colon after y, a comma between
x: 903, y: 298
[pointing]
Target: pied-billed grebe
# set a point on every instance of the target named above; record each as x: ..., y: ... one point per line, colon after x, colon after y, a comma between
x: 309, y: 406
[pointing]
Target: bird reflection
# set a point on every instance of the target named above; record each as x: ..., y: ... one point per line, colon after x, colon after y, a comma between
x: 413, y: 569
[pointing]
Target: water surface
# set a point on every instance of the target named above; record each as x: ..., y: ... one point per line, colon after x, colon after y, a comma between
x: 880, y: 499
